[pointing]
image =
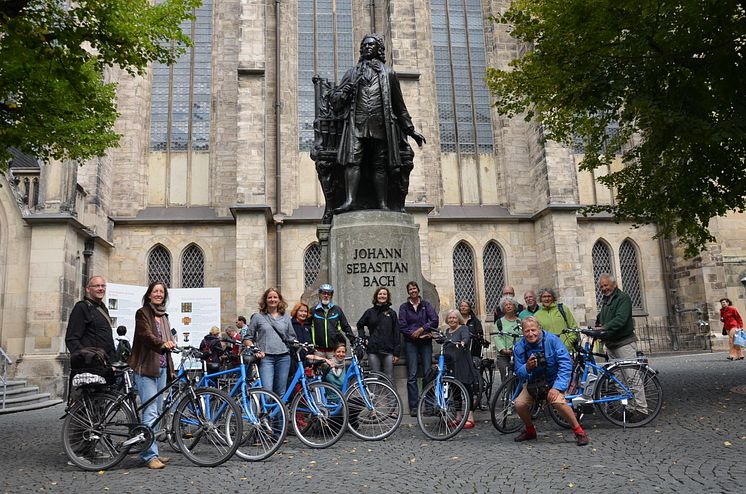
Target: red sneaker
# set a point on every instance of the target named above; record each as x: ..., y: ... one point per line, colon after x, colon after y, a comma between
x: 525, y: 436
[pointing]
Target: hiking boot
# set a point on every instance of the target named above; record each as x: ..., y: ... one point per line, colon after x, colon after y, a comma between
x: 525, y: 436
x: 164, y: 459
x: 582, y: 439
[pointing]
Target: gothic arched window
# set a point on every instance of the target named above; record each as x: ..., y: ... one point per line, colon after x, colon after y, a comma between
x: 630, y: 272
x: 601, y: 258
x: 494, y: 275
x: 311, y: 264
x: 460, y: 63
x: 463, y: 274
x: 192, y: 267
x: 326, y: 48
x: 159, y: 265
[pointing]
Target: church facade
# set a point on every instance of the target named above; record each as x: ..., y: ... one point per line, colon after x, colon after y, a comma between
x: 213, y: 186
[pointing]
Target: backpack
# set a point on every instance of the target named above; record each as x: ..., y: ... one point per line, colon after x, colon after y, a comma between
x: 561, y: 309
x: 91, y: 360
x: 124, y: 350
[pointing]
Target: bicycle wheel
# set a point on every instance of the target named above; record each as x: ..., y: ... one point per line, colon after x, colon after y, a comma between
x: 443, y: 417
x: 208, y: 426
x: 167, y: 423
x: 560, y: 420
x: 95, y: 429
x: 369, y: 374
x: 265, y: 424
x: 375, y: 409
x: 319, y: 415
x: 502, y: 408
x: 647, y: 395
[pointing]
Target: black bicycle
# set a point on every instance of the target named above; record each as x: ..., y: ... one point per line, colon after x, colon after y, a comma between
x: 101, y: 426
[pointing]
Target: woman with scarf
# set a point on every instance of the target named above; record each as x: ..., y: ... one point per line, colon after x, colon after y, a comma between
x: 384, y: 342
x: 150, y: 360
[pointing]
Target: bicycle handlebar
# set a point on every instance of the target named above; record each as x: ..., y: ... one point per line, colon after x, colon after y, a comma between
x: 596, y: 334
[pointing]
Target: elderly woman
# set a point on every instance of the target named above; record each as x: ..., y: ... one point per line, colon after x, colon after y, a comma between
x: 554, y: 317
x: 510, y: 325
x: 150, y: 362
x: 459, y: 359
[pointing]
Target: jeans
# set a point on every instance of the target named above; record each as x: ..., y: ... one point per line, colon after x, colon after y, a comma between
x: 417, y: 352
x: 147, y: 387
x: 273, y: 371
x: 383, y: 361
x: 634, y: 381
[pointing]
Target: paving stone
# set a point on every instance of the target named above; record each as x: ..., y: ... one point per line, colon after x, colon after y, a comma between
x: 684, y: 450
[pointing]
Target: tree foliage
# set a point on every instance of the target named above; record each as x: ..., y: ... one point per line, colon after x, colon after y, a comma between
x: 671, y: 74
x: 54, y: 101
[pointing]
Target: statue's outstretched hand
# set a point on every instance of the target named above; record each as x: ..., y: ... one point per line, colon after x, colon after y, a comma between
x: 418, y: 138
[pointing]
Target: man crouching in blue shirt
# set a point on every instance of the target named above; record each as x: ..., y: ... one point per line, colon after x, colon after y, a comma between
x: 544, y: 366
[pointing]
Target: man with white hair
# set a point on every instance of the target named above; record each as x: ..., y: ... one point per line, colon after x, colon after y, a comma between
x: 544, y: 367
x: 615, y: 320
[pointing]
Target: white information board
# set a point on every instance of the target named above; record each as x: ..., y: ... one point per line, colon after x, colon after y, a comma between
x: 191, y: 311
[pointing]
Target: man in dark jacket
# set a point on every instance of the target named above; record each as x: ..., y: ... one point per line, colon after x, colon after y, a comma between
x: 329, y: 324
x: 90, y: 324
x: 615, y: 320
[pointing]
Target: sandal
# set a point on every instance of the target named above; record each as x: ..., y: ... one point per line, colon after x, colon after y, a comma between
x: 469, y: 424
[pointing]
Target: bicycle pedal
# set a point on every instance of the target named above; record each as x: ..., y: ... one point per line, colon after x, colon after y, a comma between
x: 134, y: 440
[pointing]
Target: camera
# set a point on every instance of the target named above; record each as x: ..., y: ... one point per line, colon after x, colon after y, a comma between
x: 541, y: 360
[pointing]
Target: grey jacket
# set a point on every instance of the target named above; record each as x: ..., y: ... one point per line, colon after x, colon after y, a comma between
x: 263, y: 330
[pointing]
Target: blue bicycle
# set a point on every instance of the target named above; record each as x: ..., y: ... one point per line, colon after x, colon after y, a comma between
x: 263, y: 412
x: 627, y: 393
x: 375, y: 407
x: 444, y: 405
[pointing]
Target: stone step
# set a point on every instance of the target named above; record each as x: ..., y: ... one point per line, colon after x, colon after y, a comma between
x: 27, y: 399
x: 21, y: 390
x: 20, y: 397
x: 30, y: 406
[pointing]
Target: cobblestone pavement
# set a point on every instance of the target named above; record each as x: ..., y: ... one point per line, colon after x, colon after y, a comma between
x: 697, y: 444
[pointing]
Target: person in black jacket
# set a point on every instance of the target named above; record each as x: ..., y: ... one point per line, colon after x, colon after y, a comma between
x: 475, y: 328
x: 329, y: 324
x: 90, y: 324
x: 384, y: 342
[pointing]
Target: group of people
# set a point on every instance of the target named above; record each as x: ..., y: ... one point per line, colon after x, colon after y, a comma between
x: 526, y: 332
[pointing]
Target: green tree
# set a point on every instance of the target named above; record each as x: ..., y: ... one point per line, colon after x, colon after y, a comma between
x: 671, y: 74
x: 54, y: 100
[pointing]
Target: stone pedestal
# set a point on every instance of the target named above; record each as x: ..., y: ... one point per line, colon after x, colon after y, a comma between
x: 370, y: 249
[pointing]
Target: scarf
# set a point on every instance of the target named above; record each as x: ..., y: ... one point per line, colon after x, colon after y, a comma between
x: 159, y: 310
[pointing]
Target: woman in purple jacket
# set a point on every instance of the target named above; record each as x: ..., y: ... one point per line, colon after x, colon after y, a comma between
x: 416, y: 319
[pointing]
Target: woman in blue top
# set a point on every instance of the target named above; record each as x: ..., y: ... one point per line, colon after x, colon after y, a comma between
x: 270, y: 329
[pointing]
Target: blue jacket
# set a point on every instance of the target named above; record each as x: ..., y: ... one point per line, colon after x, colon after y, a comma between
x: 559, y: 362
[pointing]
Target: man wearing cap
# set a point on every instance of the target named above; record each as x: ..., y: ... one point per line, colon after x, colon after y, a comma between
x: 329, y: 324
